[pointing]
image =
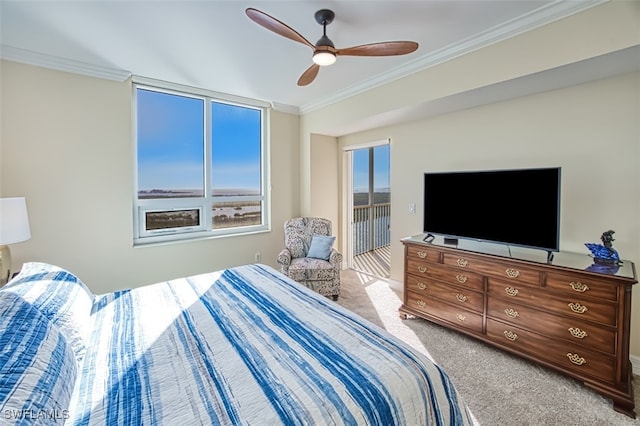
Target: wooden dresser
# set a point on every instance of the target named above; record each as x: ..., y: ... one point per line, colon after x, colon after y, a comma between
x: 570, y: 314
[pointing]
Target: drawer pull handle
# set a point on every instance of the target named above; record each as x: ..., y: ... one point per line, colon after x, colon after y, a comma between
x: 577, y: 333
x: 422, y: 254
x: 461, y: 317
x: 510, y: 335
x: 513, y: 292
x: 462, y: 262
x: 578, y: 308
x: 511, y: 313
x: 512, y: 273
x: 461, y: 278
x: 576, y: 359
x: 578, y: 286
x: 421, y: 303
x: 422, y: 268
x: 421, y: 285
x: 461, y: 298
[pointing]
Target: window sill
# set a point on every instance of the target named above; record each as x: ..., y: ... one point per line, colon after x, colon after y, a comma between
x: 191, y: 238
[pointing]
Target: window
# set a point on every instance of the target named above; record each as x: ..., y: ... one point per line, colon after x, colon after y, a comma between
x: 200, y: 165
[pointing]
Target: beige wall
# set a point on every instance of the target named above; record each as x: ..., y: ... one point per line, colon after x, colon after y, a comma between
x: 324, y: 179
x: 66, y: 146
x: 590, y: 130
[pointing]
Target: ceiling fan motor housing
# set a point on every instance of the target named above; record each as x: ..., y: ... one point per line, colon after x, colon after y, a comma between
x: 324, y: 41
x: 324, y: 16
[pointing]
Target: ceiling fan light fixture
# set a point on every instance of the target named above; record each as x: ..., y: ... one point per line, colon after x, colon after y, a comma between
x: 324, y: 51
x: 324, y: 57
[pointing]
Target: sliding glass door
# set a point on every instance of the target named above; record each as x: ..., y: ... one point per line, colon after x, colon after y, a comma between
x: 370, y: 206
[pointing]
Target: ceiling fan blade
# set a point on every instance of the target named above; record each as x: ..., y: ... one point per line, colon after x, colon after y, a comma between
x: 272, y: 24
x: 387, y: 48
x: 309, y: 75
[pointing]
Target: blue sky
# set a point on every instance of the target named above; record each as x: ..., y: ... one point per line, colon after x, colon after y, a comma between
x: 170, y: 146
x: 380, y: 167
x: 236, y: 147
x: 170, y: 143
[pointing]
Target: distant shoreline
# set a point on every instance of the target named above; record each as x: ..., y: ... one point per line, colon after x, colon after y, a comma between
x: 192, y: 193
x: 381, y: 196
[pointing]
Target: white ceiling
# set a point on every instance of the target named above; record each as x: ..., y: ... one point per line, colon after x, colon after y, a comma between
x: 213, y: 45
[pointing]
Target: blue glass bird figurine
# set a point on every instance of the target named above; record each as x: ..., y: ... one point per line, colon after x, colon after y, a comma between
x: 604, y: 253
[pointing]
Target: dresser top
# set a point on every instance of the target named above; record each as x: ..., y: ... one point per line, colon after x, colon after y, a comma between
x: 577, y: 261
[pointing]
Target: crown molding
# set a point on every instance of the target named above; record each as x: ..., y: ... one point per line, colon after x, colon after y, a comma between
x: 286, y: 108
x: 534, y: 19
x: 30, y: 57
x: 61, y: 64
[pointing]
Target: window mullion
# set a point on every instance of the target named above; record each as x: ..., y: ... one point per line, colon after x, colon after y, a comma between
x: 208, y: 199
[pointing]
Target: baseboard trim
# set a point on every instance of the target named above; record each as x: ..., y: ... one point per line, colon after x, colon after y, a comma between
x: 635, y: 364
x: 397, y: 285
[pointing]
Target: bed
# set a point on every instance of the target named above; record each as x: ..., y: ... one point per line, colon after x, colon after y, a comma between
x: 243, y: 346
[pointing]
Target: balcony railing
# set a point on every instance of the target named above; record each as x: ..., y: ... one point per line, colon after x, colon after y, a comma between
x: 371, y: 227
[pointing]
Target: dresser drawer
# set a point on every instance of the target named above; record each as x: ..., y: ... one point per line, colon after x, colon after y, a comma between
x: 443, y: 273
x: 578, y: 332
x: 419, y: 267
x: 435, y: 308
x: 587, y: 310
x: 430, y: 254
x: 510, y: 271
x: 449, y: 293
x: 565, y: 355
x: 582, y: 285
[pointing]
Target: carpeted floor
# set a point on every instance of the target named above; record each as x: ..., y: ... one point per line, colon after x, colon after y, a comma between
x: 500, y: 389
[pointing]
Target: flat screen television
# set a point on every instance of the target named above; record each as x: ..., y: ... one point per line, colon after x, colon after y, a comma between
x: 518, y: 207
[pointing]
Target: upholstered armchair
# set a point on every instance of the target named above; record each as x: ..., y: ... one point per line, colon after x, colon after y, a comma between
x: 308, y: 256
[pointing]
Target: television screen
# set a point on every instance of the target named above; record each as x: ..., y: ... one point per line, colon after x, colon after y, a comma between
x: 516, y: 207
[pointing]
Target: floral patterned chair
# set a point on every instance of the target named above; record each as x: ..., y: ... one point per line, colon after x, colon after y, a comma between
x: 308, y: 257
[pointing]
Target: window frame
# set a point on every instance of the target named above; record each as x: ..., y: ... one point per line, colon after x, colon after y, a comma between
x: 204, y: 203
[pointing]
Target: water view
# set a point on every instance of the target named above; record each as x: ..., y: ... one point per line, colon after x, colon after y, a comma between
x: 225, y: 214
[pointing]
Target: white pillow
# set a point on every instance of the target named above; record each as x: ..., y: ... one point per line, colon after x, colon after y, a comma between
x: 38, y: 368
x: 60, y: 296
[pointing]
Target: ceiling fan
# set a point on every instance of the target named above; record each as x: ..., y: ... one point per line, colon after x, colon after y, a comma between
x: 324, y: 51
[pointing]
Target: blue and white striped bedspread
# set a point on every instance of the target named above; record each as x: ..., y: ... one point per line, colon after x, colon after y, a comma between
x: 249, y: 346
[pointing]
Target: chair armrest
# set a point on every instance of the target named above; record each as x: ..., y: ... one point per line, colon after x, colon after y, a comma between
x: 335, y: 258
x: 284, y: 257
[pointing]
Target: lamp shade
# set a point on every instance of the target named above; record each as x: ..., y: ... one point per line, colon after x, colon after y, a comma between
x: 14, y: 221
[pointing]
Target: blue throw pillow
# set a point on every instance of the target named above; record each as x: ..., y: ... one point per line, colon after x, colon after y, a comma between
x: 320, y: 247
